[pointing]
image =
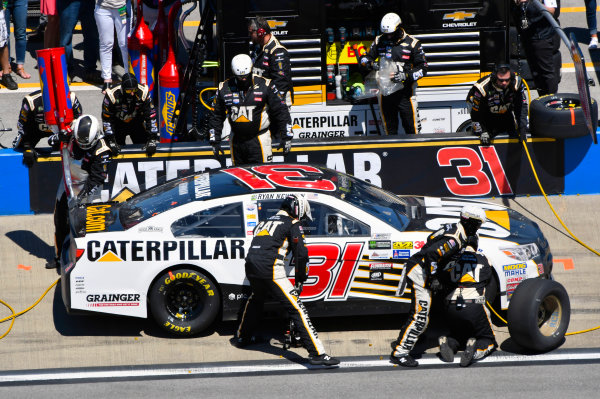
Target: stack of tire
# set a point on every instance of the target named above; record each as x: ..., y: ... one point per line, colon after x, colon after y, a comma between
x: 560, y: 116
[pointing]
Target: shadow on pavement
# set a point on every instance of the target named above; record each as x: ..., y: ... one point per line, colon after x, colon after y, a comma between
x: 32, y: 243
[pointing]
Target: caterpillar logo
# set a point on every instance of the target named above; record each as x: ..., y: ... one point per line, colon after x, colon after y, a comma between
x: 242, y: 114
x: 95, y: 218
x: 459, y: 16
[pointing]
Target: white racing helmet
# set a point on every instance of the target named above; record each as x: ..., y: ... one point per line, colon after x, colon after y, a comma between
x: 472, y: 217
x: 390, y: 22
x: 241, y: 65
x: 297, y: 206
x: 86, y: 131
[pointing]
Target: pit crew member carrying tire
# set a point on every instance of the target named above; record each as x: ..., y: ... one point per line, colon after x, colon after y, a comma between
x: 89, y: 156
x: 395, y: 45
x: 32, y: 127
x: 273, y: 239
x: 252, y: 105
x: 464, y: 307
x: 419, y: 275
x: 127, y: 109
x: 498, y: 104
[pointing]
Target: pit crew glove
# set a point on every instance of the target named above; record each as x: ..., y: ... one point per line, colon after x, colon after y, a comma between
x: 286, y: 140
x: 112, y: 144
x: 434, y: 285
x: 485, y: 138
x: 215, y: 143
x: 54, y: 141
x: 64, y: 135
x: 366, y: 62
x: 150, y: 147
x: 29, y: 157
x: 399, y: 77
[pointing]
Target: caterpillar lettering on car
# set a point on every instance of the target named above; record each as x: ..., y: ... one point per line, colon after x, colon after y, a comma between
x: 148, y: 251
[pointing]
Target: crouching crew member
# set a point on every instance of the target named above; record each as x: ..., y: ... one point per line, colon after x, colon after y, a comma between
x: 417, y: 274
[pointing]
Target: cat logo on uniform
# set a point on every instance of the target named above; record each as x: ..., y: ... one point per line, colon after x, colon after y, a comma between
x: 242, y: 114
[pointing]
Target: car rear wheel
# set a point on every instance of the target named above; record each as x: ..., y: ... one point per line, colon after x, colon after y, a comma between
x: 184, y: 301
x: 538, y: 314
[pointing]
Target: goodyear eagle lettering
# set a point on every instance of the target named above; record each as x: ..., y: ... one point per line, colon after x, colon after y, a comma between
x: 148, y: 251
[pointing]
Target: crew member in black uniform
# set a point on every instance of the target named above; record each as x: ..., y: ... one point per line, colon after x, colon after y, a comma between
x: 417, y: 275
x: 89, y: 156
x: 465, y: 280
x: 541, y: 42
x: 498, y: 104
x: 407, y: 55
x: 32, y: 127
x: 128, y: 110
x: 271, y: 58
x: 273, y: 239
x: 253, y: 105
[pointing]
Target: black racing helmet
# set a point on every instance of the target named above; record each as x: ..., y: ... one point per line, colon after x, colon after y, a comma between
x: 129, y: 84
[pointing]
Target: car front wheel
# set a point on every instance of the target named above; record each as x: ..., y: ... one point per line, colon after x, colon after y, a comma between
x: 538, y: 314
x: 184, y: 301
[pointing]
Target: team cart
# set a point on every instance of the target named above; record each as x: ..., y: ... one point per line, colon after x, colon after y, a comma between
x: 176, y: 251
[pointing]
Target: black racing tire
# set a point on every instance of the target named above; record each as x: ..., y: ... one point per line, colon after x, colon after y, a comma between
x: 184, y: 301
x: 538, y: 314
x: 465, y: 127
x: 560, y: 116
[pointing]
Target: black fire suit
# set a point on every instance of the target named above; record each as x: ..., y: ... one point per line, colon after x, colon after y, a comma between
x: 136, y: 118
x: 439, y: 249
x: 273, y: 239
x: 272, y: 61
x: 494, y: 110
x: 250, y: 114
x: 409, y: 57
x: 464, y: 306
x: 88, y: 170
x: 32, y: 127
x: 541, y: 43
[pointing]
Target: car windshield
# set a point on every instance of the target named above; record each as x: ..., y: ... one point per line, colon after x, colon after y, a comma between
x: 379, y: 203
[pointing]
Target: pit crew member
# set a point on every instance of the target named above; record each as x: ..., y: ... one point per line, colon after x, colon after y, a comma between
x: 127, y: 109
x: 406, y: 52
x: 271, y: 58
x: 418, y: 273
x: 252, y: 104
x: 464, y: 307
x: 274, y: 238
x: 89, y: 156
x: 32, y: 127
x: 498, y: 104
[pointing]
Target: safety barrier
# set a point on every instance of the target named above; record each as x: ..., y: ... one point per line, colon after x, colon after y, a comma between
x: 436, y: 165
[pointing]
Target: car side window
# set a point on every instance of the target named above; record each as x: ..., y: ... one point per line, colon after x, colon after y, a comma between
x: 219, y: 221
x: 327, y: 221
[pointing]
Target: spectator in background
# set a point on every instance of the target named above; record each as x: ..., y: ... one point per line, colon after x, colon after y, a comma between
x: 590, y: 15
x: 6, y: 79
x: 541, y: 43
x: 111, y: 15
x: 48, y: 8
x: 38, y: 34
x: 18, y: 10
x: 70, y: 12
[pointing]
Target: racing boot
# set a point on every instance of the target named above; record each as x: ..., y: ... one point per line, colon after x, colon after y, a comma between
x: 53, y: 264
x: 467, y: 357
x: 242, y: 342
x: 324, y: 360
x: 403, y: 360
x: 446, y: 352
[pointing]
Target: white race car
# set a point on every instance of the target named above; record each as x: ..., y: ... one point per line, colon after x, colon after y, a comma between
x: 176, y: 251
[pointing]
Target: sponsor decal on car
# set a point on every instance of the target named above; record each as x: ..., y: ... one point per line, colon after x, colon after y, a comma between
x: 518, y: 269
x: 382, y: 236
x: 150, y: 229
x: 380, y: 255
x: 402, y: 245
x: 95, y: 218
x: 380, y: 245
x: 147, y: 251
x: 202, y: 185
x: 102, y: 300
x: 401, y: 254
